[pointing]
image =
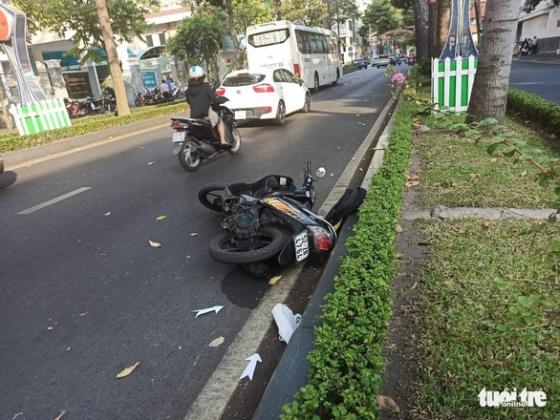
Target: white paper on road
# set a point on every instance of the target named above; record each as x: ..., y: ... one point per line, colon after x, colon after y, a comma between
x: 207, y: 310
x: 250, y: 368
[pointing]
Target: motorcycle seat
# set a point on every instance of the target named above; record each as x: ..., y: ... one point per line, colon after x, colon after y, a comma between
x: 263, y: 186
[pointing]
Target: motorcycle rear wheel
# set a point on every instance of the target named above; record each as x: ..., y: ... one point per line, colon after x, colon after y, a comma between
x: 236, y: 141
x: 188, y: 157
x: 222, y: 250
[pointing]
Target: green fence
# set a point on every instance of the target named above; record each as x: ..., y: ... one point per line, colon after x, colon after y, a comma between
x: 452, y: 82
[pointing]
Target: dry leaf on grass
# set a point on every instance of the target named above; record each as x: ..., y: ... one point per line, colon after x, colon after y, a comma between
x: 387, y: 403
x: 274, y: 280
x: 127, y: 371
x: 217, y: 342
x: 63, y: 412
x: 161, y: 218
x: 154, y: 244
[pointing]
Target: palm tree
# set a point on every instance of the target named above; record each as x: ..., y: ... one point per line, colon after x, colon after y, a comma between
x: 489, y: 94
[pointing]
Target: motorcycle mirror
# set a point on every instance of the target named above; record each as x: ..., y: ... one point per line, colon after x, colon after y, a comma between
x: 321, y: 172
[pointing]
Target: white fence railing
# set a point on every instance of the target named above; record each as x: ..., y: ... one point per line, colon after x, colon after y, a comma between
x: 452, y: 82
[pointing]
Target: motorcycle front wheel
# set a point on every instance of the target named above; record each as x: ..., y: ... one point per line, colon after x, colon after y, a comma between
x: 236, y: 145
x: 211, y: 198
x: 269, y: 243
x: 188, y: 157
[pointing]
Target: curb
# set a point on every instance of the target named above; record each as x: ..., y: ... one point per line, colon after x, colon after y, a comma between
x: 292, y: 371
x: 25, y: 157
x: 214, y: 397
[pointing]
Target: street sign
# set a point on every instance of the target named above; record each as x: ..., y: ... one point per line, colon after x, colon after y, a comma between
x: 149, y: 79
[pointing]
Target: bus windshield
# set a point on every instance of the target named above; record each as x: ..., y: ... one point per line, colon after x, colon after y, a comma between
x: 269, y: 38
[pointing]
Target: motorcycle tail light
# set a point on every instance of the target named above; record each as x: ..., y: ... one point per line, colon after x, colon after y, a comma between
x: 176, y: 125
x: 322, y: 240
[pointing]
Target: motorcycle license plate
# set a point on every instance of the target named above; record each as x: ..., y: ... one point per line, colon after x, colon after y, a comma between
x: 240, y: 115
x: 301, y: 244
x: 178, y: 137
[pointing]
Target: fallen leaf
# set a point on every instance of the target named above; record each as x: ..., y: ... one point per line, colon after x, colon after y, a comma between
x: 387, y: 403
x: 412, y: 183
x: 493, y: 160
x: 363, y: 124
x: 188, y: 257
x: 486, y: 225
x: 274, y: 280
x: 161, y: 218
x: 17, y: 415
x: 151, y: 162
x: 524, y: 173
x: 399, y: 229
x: 413, y: 176
x: 194, y: 234
x: 63, y: 412
x: 127, y: 371
x: 414, y: 285
x: 472, y: 175
x: 154, y: 244
x: 217, y: 342
x: 108, y: 213
x: 84, y: 313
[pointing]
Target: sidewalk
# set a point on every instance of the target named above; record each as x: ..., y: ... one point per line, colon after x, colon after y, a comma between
x: 538, y: 59
x: 117, y: 133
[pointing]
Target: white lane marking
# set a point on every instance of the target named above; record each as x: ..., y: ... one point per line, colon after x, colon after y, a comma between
x: 54, y: 200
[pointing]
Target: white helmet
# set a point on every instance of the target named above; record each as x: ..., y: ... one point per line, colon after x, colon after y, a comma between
x: 196, y: 72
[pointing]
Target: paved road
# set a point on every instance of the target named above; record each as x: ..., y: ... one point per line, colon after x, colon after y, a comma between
x: 83, y: 295
x: 540, y: 78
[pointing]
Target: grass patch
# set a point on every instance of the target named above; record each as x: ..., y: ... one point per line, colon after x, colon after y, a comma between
x: 346, y: 364
x: 13, y: 141
x: 488, y: 318
x: 459, y: 172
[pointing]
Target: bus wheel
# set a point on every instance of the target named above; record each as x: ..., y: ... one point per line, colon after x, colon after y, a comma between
x: 337, y: 77
x: 316, y: 83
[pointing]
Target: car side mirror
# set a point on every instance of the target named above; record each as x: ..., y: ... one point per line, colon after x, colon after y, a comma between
x: 300, y: 82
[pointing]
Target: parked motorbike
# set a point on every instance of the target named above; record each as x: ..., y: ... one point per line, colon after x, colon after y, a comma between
x: 75, y: 108
x: 271, y: 221
x: 196, y: 140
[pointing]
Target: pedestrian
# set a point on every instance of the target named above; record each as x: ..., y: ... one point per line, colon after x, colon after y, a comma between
x: 534, y: 45
x: 164, y: 89
x: 170, y: 85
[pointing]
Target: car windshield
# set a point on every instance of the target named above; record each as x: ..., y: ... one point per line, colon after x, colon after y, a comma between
x: 243, y: 79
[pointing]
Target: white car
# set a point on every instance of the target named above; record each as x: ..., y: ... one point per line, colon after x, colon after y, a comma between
x: 264, y: 94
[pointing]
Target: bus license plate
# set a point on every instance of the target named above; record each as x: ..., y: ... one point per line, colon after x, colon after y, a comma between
x: 178, y: 137
x: 301, y: 244
x: 240, y: 115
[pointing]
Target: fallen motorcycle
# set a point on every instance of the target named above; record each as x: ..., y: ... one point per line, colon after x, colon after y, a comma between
x: 271, y: 222
x: 196, y: 140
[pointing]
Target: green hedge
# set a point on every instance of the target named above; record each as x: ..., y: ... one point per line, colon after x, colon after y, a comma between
x: 531, y: 107
x: 349, y: 68
x: 346, y: 363
x: 13, y: 141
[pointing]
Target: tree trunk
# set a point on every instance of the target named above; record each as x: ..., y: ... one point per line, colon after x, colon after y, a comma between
x: 432, y: 31
x: 443, y: 22
x: 489, y: 94
x: 478, y: 22
x: 112, y: 58
x: 421, y: 29
x: 278, y: 9
x: 233, y: 33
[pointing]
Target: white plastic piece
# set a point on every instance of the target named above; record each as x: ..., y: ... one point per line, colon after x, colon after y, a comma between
x: 286, y: 321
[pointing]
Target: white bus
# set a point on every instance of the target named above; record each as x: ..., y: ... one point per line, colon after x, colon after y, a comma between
x: 310, y: 53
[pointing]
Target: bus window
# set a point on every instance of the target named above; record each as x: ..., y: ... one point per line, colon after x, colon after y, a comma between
x: 269, y: 38
x: 300, y: 39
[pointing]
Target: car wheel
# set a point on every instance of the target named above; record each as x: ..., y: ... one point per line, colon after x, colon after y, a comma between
x: 280, y: 114
x: 316, y: 83
x: 307, y: 104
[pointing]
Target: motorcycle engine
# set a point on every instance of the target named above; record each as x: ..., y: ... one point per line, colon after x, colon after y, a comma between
x: 206, y: 149
x: 243, y: 223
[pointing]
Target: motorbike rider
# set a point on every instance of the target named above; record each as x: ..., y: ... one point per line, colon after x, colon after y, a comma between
x: 200, y: 97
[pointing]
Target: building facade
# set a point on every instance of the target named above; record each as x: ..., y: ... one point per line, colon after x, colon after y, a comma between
x: 544, y: 23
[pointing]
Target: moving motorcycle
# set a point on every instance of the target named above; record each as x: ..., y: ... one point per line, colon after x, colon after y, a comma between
x: 271, y: 221
x: 196, y: 140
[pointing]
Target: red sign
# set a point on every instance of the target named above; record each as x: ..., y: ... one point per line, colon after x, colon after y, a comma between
x: 4, y: 27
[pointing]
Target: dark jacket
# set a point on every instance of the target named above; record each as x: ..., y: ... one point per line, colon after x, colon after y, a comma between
x: 200, y: 97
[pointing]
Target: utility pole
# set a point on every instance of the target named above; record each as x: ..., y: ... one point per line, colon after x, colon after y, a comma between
x: 112, y: 57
